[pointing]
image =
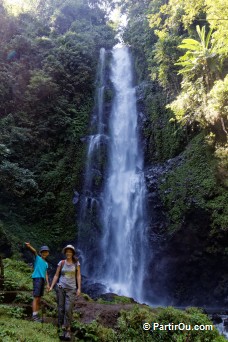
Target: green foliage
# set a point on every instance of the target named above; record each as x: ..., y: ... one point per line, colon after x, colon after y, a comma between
x: 17, y: 275
x: 116, y: 300
x: 188, y: 106
x: 12, y: 311
x: 219, y: 210
x: 23, y: 297
x: 165, y: 138
x: 87, y: 297
x: 209, y: 109
x: 49, y: 54
x: 16, y: 179
x: 140, y: 37
x: 15, y: 329
x: 221, y: 154
x: 93, y: 332
x: 217, y: 105
x: 201, y: 59
x: 193, y: 185
x: 192, y: 317
x: 162, y: 63
x: 40, y: 86
x: 204, y: 62
x: 217, y: 13
x: 130, y: 325
x: 174, y: 15
x: 201, y: 66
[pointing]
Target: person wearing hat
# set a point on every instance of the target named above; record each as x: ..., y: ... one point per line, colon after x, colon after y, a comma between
x: 68, y: 275
x: 39, y: 276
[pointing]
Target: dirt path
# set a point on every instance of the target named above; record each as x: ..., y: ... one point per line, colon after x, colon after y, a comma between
x: 105, y: 314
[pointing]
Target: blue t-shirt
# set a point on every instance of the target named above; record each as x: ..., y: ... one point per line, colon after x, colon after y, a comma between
x: 40, y: 268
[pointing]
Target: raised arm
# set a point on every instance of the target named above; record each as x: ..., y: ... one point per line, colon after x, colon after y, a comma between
x: 78, y: 280
x: 56, y: 277
x: 32, y: 249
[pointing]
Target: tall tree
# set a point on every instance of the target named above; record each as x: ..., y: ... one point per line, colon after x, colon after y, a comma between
x: 201, y: 58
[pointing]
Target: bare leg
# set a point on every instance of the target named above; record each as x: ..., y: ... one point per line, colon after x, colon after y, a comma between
x: 36, y: 304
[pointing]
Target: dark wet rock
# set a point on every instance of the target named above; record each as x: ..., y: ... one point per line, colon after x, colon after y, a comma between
x: 94, y: 290
x: 178, y: 267
x: 225, y: 322
x: 108, y: 297
x: 216, y: 318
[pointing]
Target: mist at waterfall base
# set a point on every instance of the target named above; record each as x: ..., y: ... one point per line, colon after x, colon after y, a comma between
x: 113, y: 220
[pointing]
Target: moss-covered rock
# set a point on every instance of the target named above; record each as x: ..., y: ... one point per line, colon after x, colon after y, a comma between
x: 193, y: 185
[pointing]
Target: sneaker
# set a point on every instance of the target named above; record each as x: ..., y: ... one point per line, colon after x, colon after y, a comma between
x: 37, y: 319
x: 68, y: 336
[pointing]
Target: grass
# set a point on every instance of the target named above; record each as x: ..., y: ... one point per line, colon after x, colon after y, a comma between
x: 116, y: 300
x: 19, y: 330
x: 15, y: 328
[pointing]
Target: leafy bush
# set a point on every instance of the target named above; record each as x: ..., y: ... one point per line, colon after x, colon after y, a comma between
x: 11, y: 311
x: 131, y: 326
x: 17, y: 275
x: 23, y: 297
x: 93, y: 332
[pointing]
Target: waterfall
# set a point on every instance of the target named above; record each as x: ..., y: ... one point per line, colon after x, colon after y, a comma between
x: 90, y: 224
x: 123, y: 243
x: 113, y: 216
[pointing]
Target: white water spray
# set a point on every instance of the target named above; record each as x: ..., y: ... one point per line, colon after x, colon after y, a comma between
x: 123, y: 243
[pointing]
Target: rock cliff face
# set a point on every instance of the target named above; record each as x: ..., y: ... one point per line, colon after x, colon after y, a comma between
x: 183, y: 269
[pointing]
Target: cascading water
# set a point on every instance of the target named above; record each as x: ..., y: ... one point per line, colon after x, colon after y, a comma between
x: 113, y: 215
x: 90, y: 203
x: 124, y: 214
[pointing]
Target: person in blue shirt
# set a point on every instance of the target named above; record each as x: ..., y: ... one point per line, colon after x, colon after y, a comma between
x: 39, y: 277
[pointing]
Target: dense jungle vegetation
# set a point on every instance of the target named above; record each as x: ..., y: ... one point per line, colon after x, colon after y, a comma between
x: 183, y: 44
x: 48, y: 57
x: 48, y: 60
x: 181, y: 57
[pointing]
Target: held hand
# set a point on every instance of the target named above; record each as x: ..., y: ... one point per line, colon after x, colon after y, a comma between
x: 48, y: 287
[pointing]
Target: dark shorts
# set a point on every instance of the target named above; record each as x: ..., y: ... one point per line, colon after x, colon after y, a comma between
x: 38, y: 287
